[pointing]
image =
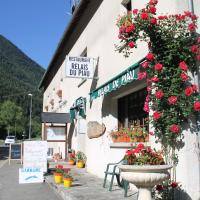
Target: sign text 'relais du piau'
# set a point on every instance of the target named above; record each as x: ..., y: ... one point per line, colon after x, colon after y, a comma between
x: 79, y: 67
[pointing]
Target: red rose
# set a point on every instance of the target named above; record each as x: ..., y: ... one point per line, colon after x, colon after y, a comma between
x: 193, y: 17
x: 131, y: 44
x: 194, y: 48
x: 141, y: 75
x: 128, y: 153
x: 156, y: 115
x: 194, y: 88
x: 174, y: 184
x: 145, y: 64
x: 150, y: 57
x: 148, y: 88
x: 198, y: 39
x: 135, y: 11
x: 155, y: 79
x: 144, y: 16
x: 197, y: 106
x: 140, y: 146
x: 198, y: 57
x: 191, y: 27
x: 183, y: 66
x: 159, y: 94
x: 152, y: 9
x: 187, y: 13
x: 153, y: 21
x: 146, y: 107
x: 174, y: 128
x: 159, y: 187
x: 153, y: 2
x: 172, y: 100
x: 158, y: 66
x: 188, y: 91
x: 162, y: 17
x: 184, y: 77
x: 130, y: 28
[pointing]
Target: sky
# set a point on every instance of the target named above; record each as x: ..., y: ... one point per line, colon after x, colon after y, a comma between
x: 35, y: 26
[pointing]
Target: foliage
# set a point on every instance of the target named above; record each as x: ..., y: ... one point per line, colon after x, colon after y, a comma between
x: 166, y: 191
x: 142, y: 155
x: 80, y: 156
x: 67, y: 174
x: 174, y: 50
x: 19, y: 76
x: 59, y: 169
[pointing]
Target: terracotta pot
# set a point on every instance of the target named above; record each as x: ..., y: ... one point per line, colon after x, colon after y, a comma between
x: 71, y: 162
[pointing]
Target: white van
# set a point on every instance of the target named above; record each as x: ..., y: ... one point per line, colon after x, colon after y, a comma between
x: 10, y: 140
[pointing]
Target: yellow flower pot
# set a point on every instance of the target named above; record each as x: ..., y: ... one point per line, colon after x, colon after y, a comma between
x: 58, y: 178
x: 67, y: 182
x: 80, y: 164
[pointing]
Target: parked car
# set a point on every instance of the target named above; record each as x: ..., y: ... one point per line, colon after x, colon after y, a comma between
x: 10, y: 140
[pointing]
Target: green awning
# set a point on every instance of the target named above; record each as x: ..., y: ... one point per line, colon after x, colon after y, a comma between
x: 125, y: 77
x: 79, y: 107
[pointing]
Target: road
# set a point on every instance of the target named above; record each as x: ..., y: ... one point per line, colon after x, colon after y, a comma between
x: 11, y: 189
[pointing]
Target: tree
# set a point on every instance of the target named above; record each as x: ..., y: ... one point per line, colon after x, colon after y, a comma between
x: 11, y: 117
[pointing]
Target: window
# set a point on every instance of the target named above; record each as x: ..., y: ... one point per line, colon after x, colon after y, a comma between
x: 130, y: 110
x: 127, y: 5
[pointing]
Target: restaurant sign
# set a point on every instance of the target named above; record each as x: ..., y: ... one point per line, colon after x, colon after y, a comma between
x: 79, y: 67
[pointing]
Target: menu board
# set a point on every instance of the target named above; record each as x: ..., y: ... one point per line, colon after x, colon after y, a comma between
x: 15, y: 152
x: 35, y: 154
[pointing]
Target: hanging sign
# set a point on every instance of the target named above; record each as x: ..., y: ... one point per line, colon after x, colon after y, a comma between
x: 79, y: 67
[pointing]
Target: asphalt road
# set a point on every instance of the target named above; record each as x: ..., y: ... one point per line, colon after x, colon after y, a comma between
x: 11, y: 189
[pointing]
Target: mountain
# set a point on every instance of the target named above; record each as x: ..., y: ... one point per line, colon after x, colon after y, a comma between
x: 19, y: 76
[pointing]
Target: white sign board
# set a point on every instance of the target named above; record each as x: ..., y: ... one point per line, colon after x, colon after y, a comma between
x: 30, y: 175
x: 82, y: 125
x: 35, y: 154
x: 56, y: 133
x: 79, y: 67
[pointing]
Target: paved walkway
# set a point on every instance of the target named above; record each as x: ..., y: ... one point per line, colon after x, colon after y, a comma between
x: 88, y: 187
x: 11, y: 189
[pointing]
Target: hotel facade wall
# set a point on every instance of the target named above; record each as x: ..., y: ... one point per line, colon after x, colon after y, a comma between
x: 99, y: 38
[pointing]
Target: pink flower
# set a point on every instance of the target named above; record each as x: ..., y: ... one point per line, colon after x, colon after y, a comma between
x: 144, y: 15
x: 156, y: 115
x: 174, y: 184
x: 191, y: 27
x: 141, y: 75
x: 146, y: 107
x: 194, y: 87
x: 193, y: 17
x: 151, y: 133
x: 131, y: 44
x: 172, y: 100
x: 184, y: 77
x: 158, y: 66
x: 148, y: 88
x: 187, y: 13
x: 153, y: 2
x: 145, y: 64
x: 194, y: 48
x: 135, y: 11
x: 188, y: 91
x: 130, y: 28
x: 152, y: 9
x: 197, y: 106
x: 150, y: 57
x: 174, y: 128
x: 159, y: 94
x: 155, y: 79
x: 198, y: 40
x: 183, y: 66
x: 153, y: 21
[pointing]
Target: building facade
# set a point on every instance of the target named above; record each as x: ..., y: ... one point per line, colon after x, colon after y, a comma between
x: 93, y: 33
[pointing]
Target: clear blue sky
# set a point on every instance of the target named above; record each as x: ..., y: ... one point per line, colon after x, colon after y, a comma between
x: 34, y: 26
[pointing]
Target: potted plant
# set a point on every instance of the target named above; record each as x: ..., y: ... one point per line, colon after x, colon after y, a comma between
x: 67, y: 179
x: 58, y: 174
x: 72, y: 158
x: 80, y: 159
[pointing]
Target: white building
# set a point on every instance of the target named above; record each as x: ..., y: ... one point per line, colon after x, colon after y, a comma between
x: 92, y: 32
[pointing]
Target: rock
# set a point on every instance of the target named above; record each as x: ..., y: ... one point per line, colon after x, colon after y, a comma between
x: 95, y: 130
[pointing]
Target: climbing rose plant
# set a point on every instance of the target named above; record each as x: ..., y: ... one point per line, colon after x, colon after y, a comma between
x: 171, y: 62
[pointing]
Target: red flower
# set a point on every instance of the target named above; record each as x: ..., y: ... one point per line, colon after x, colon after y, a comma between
x: 187, y: 13
x: 153, y: 2
x: 172, y: 100
x: 135, y: 11
x: 188, y: 91
x: 140, y: 146
x: 194, y: 88
x: 128, y: 153
x: 174, y: 184
x: 148, y: 88
x: 152, y: 9
x: 159, y: 94
x: 156, y: 115
x: 145, y: 64
x: 191, y: 27
x: 130, y: 28
x: 158, y: 66
x: 141, y: 75
x: 144, y: 15
x: 146, y: 107
x: 131, y: 44
x: 198, y: 57
x: 197, y: 106
x: 159, y: 187
x: 151, y: 133
x: 162, y: 17
x: 183, y: 66
x: 184, y: 77
x: 194, y: 48
x: 153, y: 21
x: 150, y: 57
x: 59, y: 166
x: 193, y: 17
x: 198, y: 39
x: 174, y: 128
x: 155, y: 79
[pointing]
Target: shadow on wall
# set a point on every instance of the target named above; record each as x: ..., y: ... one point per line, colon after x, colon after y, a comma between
x: 70, y: 134
x: 182, y: 195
